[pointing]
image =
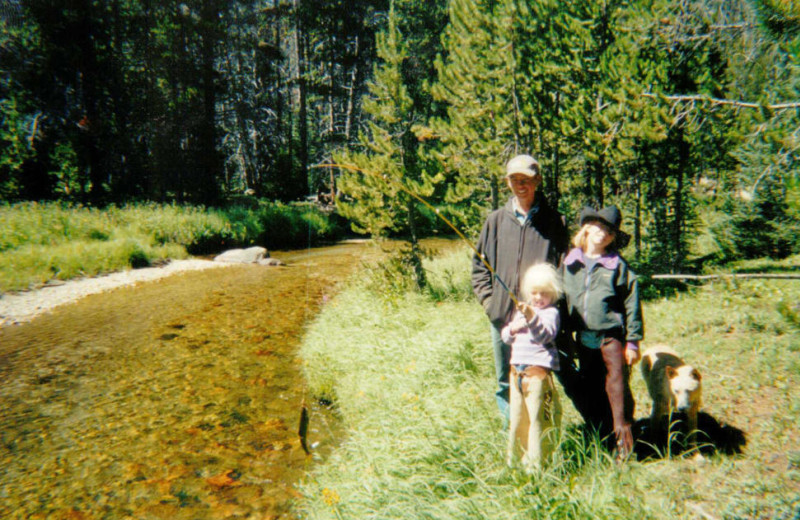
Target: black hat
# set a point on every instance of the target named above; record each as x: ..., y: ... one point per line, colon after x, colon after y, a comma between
x: 610, y: 216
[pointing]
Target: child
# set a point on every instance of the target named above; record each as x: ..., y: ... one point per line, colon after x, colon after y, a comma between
x: 535, y: 413
x: 603, y: 309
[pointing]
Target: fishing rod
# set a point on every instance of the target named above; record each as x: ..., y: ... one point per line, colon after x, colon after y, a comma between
x: 401, y: 186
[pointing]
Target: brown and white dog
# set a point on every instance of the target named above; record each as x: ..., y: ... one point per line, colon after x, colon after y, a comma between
x: 674, y: 386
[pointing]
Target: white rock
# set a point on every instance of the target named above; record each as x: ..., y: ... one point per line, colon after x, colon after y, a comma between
x: 251, y: 255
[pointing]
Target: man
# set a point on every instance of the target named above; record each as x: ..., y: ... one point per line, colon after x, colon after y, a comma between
x: 524, y: 232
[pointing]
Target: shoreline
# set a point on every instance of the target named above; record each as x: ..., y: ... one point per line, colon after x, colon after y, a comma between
x: 22, y: 307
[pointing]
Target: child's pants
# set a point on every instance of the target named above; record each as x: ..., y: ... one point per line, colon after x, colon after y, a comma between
x: 606, y: 379
x: 535, y: 415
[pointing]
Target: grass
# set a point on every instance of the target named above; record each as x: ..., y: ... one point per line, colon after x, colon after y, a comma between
x: 411, y: 378
x: 41, y: 242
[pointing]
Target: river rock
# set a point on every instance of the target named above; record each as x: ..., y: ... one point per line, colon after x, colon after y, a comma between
x: 270, y: 261
x: 251, y: 255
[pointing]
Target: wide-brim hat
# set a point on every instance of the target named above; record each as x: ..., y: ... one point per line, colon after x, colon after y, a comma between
x: 611, y: 217
x: 524, y: 164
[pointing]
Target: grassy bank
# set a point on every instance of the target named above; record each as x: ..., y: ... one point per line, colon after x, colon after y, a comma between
x: 411, y: 378
x: 40, y: 242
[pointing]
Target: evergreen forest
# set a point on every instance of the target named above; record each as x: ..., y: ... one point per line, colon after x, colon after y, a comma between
x: 685, y: 113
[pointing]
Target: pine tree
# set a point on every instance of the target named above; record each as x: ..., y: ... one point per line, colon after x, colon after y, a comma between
x: 477, y: 81
x: 376, y: 187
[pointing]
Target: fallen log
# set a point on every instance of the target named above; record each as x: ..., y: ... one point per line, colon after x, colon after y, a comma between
x: 730, y: 275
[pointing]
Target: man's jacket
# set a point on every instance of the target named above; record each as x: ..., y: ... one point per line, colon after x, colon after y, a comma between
x: 510, y: 248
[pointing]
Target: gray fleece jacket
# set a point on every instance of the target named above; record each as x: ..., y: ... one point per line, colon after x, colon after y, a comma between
x: 510, y: 248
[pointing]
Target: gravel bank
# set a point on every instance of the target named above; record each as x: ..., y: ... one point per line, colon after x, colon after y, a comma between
x: 22, y: 307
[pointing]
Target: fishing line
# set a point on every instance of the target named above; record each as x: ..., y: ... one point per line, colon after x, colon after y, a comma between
x: 452, y: 226
x: 302, y: 426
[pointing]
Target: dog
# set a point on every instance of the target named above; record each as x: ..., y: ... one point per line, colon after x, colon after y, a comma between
x: 674, y: 386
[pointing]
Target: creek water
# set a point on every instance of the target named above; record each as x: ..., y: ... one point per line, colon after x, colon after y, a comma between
x: 178, y: 398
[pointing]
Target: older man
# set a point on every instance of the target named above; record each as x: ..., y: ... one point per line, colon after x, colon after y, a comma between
x: 525, y: 231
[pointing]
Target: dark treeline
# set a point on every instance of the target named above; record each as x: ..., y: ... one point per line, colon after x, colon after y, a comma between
x: 178, y: 100
x: 683, y: 113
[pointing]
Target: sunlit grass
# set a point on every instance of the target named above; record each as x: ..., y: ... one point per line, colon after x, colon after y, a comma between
x: 41, y: 242
x: 412, y: 382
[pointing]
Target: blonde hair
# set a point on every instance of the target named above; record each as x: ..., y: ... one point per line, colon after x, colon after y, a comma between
x: 579, y: 240
x: 543, y: 277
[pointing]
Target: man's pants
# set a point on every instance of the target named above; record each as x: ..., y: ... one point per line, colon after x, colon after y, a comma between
x: 502, y: 365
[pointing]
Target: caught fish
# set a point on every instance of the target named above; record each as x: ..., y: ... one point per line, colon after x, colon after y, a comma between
x: 302, y: 429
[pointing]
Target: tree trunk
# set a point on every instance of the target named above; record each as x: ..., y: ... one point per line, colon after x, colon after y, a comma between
x: 416, y: 253
x: 495, y: 190
x: 88, y: 86
x: 351, y: 95
x: 556, y: 155
x: 207, y: 145
x: 683, y: 165
x: 301, y: 101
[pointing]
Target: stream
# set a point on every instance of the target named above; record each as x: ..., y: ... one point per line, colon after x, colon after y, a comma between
x: 174, y: 399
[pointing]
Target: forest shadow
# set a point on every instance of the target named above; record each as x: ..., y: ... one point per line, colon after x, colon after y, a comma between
x: 713, y: 437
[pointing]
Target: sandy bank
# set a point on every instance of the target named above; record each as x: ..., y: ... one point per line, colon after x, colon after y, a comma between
x: 24, y: 306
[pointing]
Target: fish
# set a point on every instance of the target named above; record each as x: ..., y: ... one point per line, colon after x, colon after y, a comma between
x: 302, y: 428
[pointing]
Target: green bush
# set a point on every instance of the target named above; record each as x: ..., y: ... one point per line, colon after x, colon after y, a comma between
x: 449, y: 277
x: 762, y: 227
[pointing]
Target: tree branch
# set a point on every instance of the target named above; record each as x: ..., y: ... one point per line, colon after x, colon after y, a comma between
x: 716, y: 101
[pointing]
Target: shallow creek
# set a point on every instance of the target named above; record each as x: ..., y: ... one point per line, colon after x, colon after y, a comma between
x: 178, y: 398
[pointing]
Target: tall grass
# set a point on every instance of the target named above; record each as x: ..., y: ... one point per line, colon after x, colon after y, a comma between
x: 412, y: 380
x: 40, y: 242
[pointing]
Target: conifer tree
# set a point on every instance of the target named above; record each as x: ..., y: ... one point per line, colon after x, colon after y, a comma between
x: 477, y: 81
x: 375, y: 197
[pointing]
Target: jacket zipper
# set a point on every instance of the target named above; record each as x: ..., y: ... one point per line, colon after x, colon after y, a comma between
x: 586, y: 282
x: 521, y: 243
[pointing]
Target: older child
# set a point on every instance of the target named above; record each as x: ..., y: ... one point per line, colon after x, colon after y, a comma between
x: 535, y: 413
x: 603, y: 310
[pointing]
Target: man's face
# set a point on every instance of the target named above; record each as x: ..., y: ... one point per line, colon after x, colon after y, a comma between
x: 524, y: 187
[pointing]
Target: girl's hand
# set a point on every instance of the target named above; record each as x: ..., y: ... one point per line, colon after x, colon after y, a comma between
x: 527, y: 311
x: 518, y: 325
x: 632, y: 356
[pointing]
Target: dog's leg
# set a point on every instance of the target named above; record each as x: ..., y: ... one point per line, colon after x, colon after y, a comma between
x: 693, y: 433
x: 659, y: 411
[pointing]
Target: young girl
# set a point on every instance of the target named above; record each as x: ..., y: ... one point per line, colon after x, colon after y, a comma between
x: 603, y: 310
x: 535, y: 413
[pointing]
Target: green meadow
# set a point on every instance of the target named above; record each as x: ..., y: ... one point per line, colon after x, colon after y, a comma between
x: 40, y: 242
x: 410, y: 376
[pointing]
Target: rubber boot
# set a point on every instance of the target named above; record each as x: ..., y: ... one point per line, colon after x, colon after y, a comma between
x: 619, y: 397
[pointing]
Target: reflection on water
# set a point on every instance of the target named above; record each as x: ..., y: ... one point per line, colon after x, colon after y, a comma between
x: 178, y: 398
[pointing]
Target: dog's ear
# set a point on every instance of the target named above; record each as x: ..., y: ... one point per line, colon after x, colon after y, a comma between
x: 696, y: 374
x: 671, y: 372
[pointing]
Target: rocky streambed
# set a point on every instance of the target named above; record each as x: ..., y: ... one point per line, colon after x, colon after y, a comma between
x: 175, y: 398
